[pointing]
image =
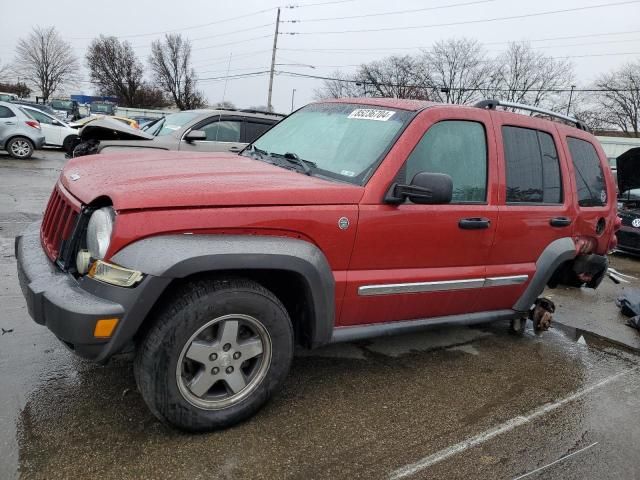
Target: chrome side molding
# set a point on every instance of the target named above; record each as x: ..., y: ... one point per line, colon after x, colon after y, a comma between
x: 440, y: 286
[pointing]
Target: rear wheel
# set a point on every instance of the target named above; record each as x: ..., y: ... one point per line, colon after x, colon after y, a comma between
x: 20, y: 147
x: 215, y: 354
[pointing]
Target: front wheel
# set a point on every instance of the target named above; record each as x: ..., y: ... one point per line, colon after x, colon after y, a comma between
x: 215, y: 354
x: 20, y: 147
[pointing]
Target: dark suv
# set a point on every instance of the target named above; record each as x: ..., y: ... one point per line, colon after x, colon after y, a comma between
x: 349, y: 219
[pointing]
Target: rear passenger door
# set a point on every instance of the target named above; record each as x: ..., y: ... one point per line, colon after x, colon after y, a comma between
x: 535, y: 206
x: 8, y: 122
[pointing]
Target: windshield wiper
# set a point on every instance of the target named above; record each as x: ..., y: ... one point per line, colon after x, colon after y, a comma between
x: 306, y: 165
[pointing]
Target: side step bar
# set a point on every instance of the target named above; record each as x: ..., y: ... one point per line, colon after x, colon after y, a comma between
x: 359, y: 332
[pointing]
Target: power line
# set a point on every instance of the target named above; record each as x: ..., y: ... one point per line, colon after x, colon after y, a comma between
x: 417, y: 47
x: 333, y: 2
x: 231, y: 43
x: 191, y: 27
x: 395, y: 12
x: 466, y: 22
x: 472, y: 89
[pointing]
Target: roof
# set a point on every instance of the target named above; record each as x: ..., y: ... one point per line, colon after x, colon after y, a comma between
x: 399, y: 103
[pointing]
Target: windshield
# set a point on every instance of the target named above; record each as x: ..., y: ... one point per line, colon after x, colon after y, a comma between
x: 101, y: 108
x: 343, y: 141
x: 171, y: 123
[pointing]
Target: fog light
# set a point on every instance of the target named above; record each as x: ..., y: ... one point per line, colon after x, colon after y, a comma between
x: 105, y: 327
x: 114, y: 274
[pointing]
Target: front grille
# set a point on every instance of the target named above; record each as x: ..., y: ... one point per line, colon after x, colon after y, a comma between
x: 58, y: 222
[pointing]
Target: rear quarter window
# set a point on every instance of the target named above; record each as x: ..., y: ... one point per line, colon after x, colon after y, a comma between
x: 590, y: 184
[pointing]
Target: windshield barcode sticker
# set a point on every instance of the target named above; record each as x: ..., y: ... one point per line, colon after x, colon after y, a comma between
x: 371, y: 114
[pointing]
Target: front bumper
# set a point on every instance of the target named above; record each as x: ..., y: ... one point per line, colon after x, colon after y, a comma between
x: 70, y: 307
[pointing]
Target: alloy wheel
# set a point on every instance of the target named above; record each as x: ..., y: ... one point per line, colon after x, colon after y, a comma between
x: 224, y: 361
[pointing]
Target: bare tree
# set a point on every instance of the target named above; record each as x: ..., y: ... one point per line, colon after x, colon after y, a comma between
x: 148, y: 96
x: 618, y: 105
x: 45, y: 61
x: 523, y: 75
x: 114, y: 69
x: 455, y: 70
x: 395, y: 76
x: 340, y: 86
x: 170, y: 62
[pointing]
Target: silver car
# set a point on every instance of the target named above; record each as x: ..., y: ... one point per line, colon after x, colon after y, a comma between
x: 190, y: 130
x: 20, y: 134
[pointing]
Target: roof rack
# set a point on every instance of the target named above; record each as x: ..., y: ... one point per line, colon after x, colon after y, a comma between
x: 492, y: 104
x: 264, y: 112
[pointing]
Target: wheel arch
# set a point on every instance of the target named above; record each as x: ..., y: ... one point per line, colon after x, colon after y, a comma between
x: 296, y: 271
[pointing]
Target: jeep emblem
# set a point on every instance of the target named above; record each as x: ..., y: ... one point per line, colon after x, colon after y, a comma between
x: 74, y: 176
x: 343, y: 223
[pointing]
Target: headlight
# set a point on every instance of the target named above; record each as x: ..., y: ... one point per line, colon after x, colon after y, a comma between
x: 99, y: 232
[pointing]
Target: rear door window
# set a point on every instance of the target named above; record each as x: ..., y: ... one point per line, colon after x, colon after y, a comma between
x: 592, y: 190
x: 532, y: 167
x: 254, y: 130
x: 6, y: 112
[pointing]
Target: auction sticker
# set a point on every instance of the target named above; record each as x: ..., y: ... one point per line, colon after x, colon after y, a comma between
x: 371, y: 114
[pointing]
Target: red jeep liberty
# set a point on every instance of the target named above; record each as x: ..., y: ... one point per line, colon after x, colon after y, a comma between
x: 349, y: 219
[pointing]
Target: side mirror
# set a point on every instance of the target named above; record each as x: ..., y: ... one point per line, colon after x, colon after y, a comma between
x: 426, y: 188
x: 56, y: 123
x: 194, y: 135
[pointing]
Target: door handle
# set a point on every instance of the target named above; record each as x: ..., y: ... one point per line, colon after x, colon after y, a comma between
x: 560, y: 222
x: 9, y: 123
x: 474, y: 223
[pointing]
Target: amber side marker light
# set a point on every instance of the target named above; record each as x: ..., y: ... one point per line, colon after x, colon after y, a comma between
x: 105, y: 327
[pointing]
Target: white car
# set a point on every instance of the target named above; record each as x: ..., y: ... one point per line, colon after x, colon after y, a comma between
x: 56, y: 132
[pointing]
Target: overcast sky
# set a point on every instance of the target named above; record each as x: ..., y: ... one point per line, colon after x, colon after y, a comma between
x: 603, y: 38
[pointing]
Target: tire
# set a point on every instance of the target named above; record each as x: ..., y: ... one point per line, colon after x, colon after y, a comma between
x: 70, y: 143
x: 20, y: 147
x: 235, y: 326
x: 517, y: 326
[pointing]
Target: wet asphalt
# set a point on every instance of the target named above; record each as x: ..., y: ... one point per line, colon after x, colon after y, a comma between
x: 448, y: 403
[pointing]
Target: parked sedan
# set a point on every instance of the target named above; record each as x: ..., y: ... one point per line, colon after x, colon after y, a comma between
x: 190, y: 130
x: 56, y: 132
x: 20, y: 133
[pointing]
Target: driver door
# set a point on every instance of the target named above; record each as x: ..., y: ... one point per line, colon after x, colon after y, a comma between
x: 224, y: 134
x: 415, y: 261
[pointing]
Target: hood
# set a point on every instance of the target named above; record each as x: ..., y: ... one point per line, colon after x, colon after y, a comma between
x: 109, y: 129
x: 628, y: 170
x: 159, y: 179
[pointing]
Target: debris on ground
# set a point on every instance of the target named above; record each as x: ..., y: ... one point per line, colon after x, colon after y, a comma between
x: 541, y: 314
x: 7, y: 330
x: 629, y: 305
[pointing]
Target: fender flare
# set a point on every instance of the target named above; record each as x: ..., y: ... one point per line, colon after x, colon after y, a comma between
x: 178, y: 256
x: 554, y: 255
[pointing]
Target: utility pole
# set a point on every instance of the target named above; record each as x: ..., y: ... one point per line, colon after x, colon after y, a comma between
x: 273, y: 62
x: 570, y: 98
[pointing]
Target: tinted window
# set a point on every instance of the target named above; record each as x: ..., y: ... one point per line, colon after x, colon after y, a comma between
x: 592, y: 191
x: 6, y: 112
x: 223, y: 131
x: 254, y: 130
x: 459, y: 149
x: 533, y: 171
